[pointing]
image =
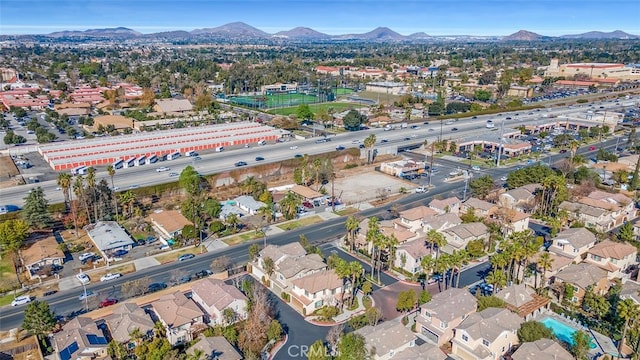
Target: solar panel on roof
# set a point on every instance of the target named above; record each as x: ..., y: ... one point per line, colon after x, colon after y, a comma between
x: 96, y: 340
x: 67, y: 352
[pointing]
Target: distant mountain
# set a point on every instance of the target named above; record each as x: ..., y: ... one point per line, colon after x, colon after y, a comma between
x: 302, y: 33
x: 523, y: 35
x: 618, y: 34
x: 235, y: 29
x: 178, y: 34
x: 119, y: 32
x: 377, y: 34
x: 419, y: 36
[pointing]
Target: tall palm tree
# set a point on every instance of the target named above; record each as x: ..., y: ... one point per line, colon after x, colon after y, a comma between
x: 91, y: 184
x: 112, y: 173
x: 434, y: 238
x: 545, y: 261
x: 64, y: 181
x: 496, y: 278
x: 127, y: 199
x: 573, y: 145
x: 316, y: 171
x: 626, y: 310
x: 267, y: 213
x: 355, y: 271
x: 352, y: 225
x: 289, y: 205
x: 458, y: 259
x: 369, y: 142
x: 373, y: 232
x: 78, y: 190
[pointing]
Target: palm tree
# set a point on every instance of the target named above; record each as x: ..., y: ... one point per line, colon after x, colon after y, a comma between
x: 626, y: 310
x: 316, y: 171
x: 355, y: 271
x: 232, y: 220
x: 428, y: 264
x: 127, y: 199
x: 289, y: 205
x: 372, y: 234
x: 496, y: 278
x: 78, y: 190
x: 369, y: 142
x: 64, y: 181
x: 249, y: 185
x: 434, y: 238
x: 352, y: 225
x: 112, y: 173
x: 267, y: 213
x: 91, y: 183
x: 458, y: 259
x: 545, y: 261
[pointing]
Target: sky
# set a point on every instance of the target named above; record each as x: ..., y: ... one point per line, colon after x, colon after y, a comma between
x: 434, y: 17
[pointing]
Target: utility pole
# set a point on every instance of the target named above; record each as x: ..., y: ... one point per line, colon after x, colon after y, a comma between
x: 333, y: 196
x: 433, y: 147
x: 466, y: 185
x: 500, y: 147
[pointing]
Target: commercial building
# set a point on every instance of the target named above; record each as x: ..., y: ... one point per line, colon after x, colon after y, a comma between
x: 387, y: 87
x: 68, y: 155
x: 593, y: 70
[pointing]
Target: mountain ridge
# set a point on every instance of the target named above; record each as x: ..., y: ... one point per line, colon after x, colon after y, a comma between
x: 244, y: 31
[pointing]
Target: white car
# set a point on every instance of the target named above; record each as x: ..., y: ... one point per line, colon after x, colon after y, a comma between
x: 110, y: 276
x: 162, y: 169
x: 86, y: 255
x: 83, y: 278
x: 504, y: 178
x: 293, y: 147
x: 475, y: 168
x: 21, y: 300
x: 422, y: 189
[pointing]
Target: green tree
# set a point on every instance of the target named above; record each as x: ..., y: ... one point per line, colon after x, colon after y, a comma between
x: 352, y: 225
x: 625, y: 233
x: 627, y: 310
x: 406, y: 301
x: 481, y: 186
x: 369, y: 143
x: 485, y: 302
x: 289, y: 205
x: 531, y: 331
x: 64, y: 181
x: 189, y: 181
x: 424, y: 297
x: 254, y: 249
x: 269, y: 265
x: 353, y: 119
x: 117, y: 350
x: 352, y: 347
x: 39, y: 319
x: 36, y: 209
x: 595, y: 304
x: 580, y: 345
x: 497, y: 278
x: 303, y: 112
x: 275, y: 331
x: 111, y: 170
x: 482, y: 95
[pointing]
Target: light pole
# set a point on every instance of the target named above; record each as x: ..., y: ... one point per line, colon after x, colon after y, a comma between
x: 86, y: 297
x: 500, y: 147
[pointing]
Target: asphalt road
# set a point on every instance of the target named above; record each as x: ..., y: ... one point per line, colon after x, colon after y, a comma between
x: 212, y: 163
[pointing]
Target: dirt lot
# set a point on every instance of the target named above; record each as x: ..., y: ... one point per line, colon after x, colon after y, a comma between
x: 8, y: 172
x: 365, y: 184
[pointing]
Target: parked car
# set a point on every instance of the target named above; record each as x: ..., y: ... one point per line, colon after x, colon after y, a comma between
x: 156, y: 287
x: 86, y: 256
x: 307, y: 204
x: 120, y: 252
x: 150, y: 239
x: 184, y: 279
x: 21, y: 300
x: 422, y: 189
x: 110, y: 276
x: 184, y: 257
x: 86, y: 294
x: 83, y: 278
x: 203, y: 273
x: 107, y: 302
x: 49, y: 293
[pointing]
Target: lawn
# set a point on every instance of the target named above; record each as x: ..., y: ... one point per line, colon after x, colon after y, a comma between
x: 300, y: 223
x: 240, y: 238
x: 347, y: 211
x: 7, y: 274
x: 337, y: 106
x: 173, y: 256
x: 7, y: 299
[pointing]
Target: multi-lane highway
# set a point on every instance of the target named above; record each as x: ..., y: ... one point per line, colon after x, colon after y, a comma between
x: 219, y: 162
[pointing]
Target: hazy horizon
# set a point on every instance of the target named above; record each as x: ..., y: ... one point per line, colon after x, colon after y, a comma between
x: 438, y: 17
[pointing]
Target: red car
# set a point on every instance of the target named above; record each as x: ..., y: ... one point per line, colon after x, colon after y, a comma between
x: 108, y: 302
x: 591, y: 148
x: 307, y: 204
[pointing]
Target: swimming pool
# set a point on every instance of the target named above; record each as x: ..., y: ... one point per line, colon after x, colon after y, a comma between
x: 563, y: 331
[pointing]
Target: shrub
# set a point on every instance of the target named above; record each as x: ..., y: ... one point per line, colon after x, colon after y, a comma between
x: 350, y: 166
x: 405, y: 320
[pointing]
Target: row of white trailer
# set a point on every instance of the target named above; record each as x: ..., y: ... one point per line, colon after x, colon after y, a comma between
x: 131, y: 162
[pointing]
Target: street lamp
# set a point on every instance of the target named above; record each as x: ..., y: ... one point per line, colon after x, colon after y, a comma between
x: 86, y: 298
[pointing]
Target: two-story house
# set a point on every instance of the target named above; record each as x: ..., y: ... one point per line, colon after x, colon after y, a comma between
x: 581, y: 277
x: 486, y: 335
x: 413, y: 219
x: 480, y: 208
x: 443, y: 206
x: 443, y: 313
x: 590, y: 216
x: 168, y: 223
x: 125, y: 319
x: 614, y: 257
x: 290, y: 261
x: 625, y: 203
x: 523, y: 300
x: 573, y: 243
x: 459, y: 236
x: 80, y: 339
x: 215, y: 296
x: 440, y: 222
x: 180, y: 316
x: 316, y: 290
x: 519, y: 198
x: 387, y: 339
x: 408, y: 256
x: 543, y: 349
